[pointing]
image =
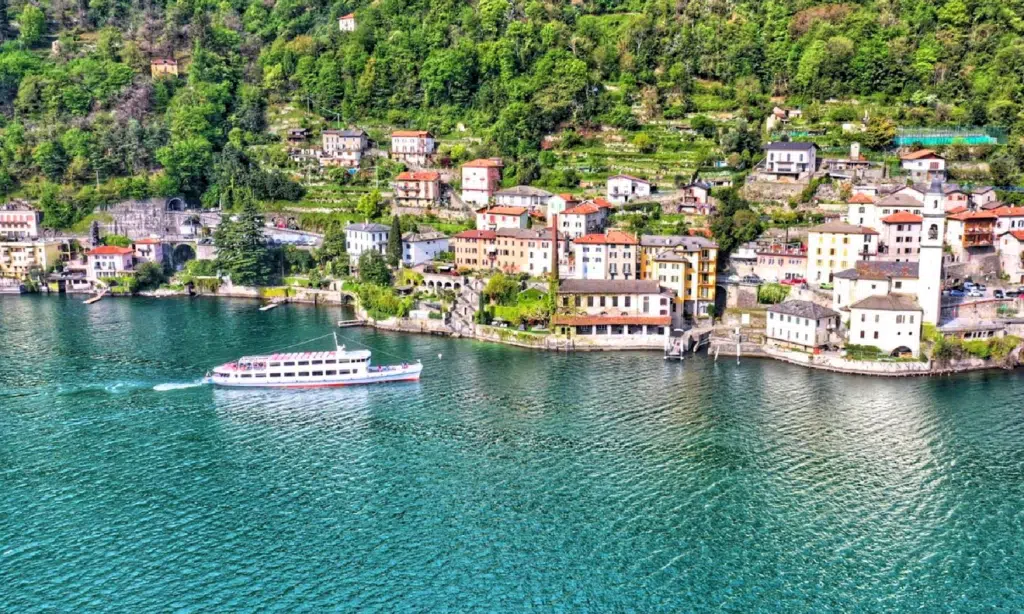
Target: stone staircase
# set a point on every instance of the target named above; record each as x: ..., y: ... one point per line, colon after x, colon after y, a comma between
x: 466, y: 305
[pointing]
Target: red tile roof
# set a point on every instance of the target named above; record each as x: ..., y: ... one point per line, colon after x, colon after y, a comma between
x: 349, y: 16
x: 418, y: 176
x: 603, y: 203
x: 584, y: 209
x: 484, y: 163
x: 615, y: 320
x: 861, y: 199
x: 1018, y: 234
x: 921, y: 153
x: 569, y: 198
x: 616, y: 237
x: 902, y: 217
x: 958, y: 209
x: 419, y: 133
x: 503, y: 210
x: 476, y: 234
x: 110, y: 250
x: 148, y: 242
x: 1006, y: 211
x: 973, y: 215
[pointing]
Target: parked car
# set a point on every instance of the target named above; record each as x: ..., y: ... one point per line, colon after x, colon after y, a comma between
x: 975, y: 293
x: 968, y: 285
x: 1013, y: 293
x: 997, y: 293
x: 980, y: 287
x: 794, y: 281
x: 826, y: 286
x: 953, y: 292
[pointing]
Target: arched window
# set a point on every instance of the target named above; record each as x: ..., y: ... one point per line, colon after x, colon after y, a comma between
x: 933, y: 231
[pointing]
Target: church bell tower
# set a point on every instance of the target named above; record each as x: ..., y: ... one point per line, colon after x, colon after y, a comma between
x: 933, y: 229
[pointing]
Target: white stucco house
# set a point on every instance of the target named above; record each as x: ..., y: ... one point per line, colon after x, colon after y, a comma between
x: 420, y: 247
x: 624, y: 188
x: 890, y: 322
x: 800, y: 324
x: 362, y: 237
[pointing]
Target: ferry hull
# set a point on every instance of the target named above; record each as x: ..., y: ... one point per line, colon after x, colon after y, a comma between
x: 411, y: 374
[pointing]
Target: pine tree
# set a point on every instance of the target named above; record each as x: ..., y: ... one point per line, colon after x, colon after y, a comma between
x: 395, y: 242
x: 242, y: 247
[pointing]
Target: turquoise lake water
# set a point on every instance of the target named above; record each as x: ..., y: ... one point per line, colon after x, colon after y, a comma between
x: 507, y: 480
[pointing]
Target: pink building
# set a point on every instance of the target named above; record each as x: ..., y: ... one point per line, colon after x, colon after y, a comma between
x: 417, y: 188
x: 900, y: 239
x: 502, y: 217
x: 412, y: 146
x: 778, y: 263
x: 108, y: 261
x: 480, y: 180
x: 18, y: 221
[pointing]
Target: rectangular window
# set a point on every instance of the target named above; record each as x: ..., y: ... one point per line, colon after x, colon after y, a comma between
x: 330, y: 361
x: 316, y: 362
x: 625, y: 301
x: 590, y: 301
x: 602, y: 301
x: 289, y: 375
x: 303, y: 363
x: 275, y: 375
x: 246, y: 375
x: 303, y: 373
x: 261, y: 375
x: 876, y: 334
x: 275, y: 364
x: 331, y: 372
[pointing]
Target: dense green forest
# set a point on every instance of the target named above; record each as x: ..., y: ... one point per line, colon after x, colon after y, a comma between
x: 82, y: 122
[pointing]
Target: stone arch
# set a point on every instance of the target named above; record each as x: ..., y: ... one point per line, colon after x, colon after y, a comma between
x: 182, y: 253
x: 900, y: 351
x: 176, y: 203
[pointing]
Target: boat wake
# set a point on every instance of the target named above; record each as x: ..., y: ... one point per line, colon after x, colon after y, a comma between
x: 177, y: 386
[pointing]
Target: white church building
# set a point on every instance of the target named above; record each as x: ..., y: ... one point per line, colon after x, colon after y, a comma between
x: 884, y: 303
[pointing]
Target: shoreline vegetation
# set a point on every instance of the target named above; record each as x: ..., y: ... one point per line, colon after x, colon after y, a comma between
x: 717, y: 347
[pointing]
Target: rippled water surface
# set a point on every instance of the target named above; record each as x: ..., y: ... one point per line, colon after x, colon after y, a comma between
x: 507, y: 480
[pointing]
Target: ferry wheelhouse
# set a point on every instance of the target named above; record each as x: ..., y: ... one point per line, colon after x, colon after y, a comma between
x: 311, y: 370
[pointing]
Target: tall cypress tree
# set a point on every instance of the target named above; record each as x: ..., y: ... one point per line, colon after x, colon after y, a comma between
x: 395, y: 242
x: 5, y: 22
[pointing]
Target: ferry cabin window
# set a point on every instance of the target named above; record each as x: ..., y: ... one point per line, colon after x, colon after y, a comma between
x: 330, y: 372
x: 303, y: 373
x: 316, y: 362
x: 289, y: 375
x: 246, y: 375
x: 303, y: 363
x: 261, y: 375
x: 289, y: 364
x: 316, y: 373
x: 343, y: 372
x: 275, y: 364
x: 275, y: 375
x: 330, y: 361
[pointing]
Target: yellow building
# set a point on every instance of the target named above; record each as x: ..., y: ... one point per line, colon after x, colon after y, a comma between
x: 18, y: 258
x: 837, y: 246
x: 684, y: 265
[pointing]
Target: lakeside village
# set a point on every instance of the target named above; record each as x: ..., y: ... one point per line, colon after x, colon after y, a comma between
x: 903, y: 273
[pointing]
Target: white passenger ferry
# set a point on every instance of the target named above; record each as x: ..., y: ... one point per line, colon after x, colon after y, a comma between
x: 310, y: 370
